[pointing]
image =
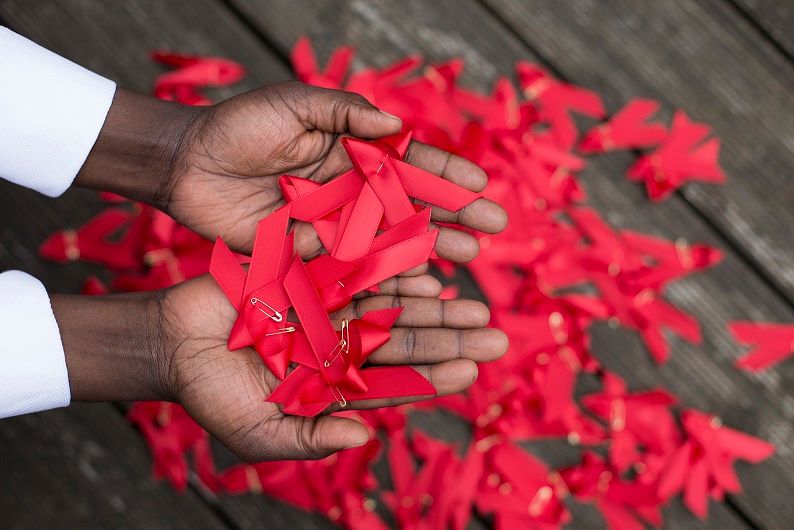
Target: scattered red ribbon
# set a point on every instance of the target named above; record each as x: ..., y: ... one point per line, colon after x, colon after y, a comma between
x: 771, y: 343
x: 558, y: 269
x: 684, y: 155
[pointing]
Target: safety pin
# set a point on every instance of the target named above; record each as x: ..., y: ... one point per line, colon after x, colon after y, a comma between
x: 280, y: 331
x: 275, y: 317
x: 341, y: 399
x: 342, y: 346
x: 379, y: 168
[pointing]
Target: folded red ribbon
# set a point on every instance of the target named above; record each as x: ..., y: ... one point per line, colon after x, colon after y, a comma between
x: 627, y: 129
x: 684, y: 155
x: 771, y: 343
x: 193, y: 72
x: 703, y: 465
x: 372, y: 231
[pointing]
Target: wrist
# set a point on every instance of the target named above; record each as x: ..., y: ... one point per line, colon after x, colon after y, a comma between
x: 114, y: 346
x: 139, y: 148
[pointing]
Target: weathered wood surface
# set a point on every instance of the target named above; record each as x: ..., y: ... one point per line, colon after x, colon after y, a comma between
x: 459, y: 29
x: 86, y: 467
x: 774, y: 18
x: 703, y: 377
x: 116, y: 42
x: 702, y: 57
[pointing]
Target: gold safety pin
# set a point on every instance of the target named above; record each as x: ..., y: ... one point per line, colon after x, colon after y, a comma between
x: 280, y: 331
x: 275, y: 316
x: 342, y: 346
x: 341, y: 399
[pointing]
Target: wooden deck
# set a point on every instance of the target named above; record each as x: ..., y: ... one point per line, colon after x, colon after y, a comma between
x: 729, y: 63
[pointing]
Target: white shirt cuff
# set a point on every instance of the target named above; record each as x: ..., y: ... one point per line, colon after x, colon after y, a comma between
x: 33, y: 374
x: 51, y: 112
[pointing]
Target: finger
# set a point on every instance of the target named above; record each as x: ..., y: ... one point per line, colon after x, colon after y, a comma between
x: 455, y: 245
x: 422, y: 312
x: 301, y: 438
x: 416, y: 271
x: 307, y: 243
x: 447, y: 378
x: 336, y: 162
x: 450, y: 167
x: 435, y: 345
x: 337, y: 111
x: 424, y: 285
x: 483, y: 214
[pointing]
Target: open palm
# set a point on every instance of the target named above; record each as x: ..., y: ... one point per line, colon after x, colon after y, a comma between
x: 225, y: 391
x: 225, y: 176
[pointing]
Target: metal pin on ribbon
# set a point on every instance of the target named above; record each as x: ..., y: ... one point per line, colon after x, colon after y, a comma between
x: 275, y: 316
x: 281, y: 331
x: 342, y: 346
x: 341, y: 399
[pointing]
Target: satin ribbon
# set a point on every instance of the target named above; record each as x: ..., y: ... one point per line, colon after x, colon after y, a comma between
x: 686, y: 154
x: 771, y: 343
x: 639, y: 422
x: 703, y: 465
x: 623, y: 504
x: 626, y: 129
x: 192, y: 73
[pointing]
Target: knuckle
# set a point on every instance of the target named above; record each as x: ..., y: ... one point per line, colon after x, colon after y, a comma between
x: 409, y: 345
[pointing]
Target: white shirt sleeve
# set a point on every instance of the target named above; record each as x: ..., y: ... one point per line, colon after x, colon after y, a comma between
x: 33, y: 374
x: 51, y: 112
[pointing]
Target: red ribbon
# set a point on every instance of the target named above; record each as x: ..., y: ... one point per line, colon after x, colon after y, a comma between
x: 684, y: 155
x: 771, y: 343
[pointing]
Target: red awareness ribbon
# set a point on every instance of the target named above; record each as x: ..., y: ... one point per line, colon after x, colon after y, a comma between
x: 368, y: 223
x: 193, y: 72
x: 624, y: 504
x: 556, y: 100
x: 771, y: 343
x: 304, y: 63
x: 636, y: 420
x: 627, y: 129
x: 703, y: 465
x: 94, y: 241
x: 686, y: 154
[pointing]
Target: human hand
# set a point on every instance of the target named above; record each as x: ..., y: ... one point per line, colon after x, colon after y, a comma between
x: 215, y: 169
x: 171, y: 345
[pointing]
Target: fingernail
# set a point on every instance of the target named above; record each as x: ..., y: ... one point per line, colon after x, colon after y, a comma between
x: 392, y: 116
x: 358, y: 443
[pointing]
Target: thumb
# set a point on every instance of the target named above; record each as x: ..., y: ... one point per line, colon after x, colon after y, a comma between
x: 322, y: 436
x: 337, y: 111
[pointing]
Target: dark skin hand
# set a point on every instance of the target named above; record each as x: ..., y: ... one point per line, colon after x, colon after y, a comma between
x: 215, y: 170
x: 171, y: 345
x: 204, y: 160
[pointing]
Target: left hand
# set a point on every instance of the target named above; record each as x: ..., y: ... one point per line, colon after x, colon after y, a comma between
x: 215, y: 169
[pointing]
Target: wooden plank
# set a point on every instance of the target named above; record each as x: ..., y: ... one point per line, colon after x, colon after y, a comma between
x: 86, y: 467
x: 774, y: 18
x: 383, y: 32
x: 702, y: 57
x: 115, y: 41
x: 200, y: 27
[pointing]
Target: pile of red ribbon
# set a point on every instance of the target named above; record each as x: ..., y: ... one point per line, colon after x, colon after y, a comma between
x: 557, y: 269
x: 371, y: 231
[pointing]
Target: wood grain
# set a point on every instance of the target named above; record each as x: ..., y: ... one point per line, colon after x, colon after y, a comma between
x: 86, y: 467
x: 704, y: 377
x: 775, y: 18
x: 702, y: 57
x: 115, y: 41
